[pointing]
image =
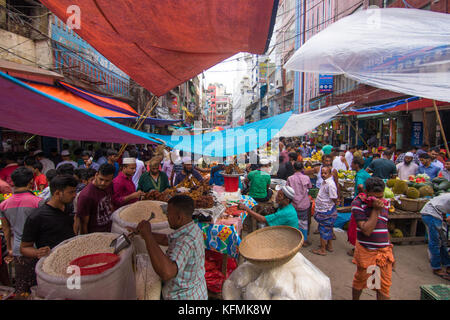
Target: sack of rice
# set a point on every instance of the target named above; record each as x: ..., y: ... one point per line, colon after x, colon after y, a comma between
x: 56, y: 280
x: 129, y: 216
x: 132, y: 214
x: 148, y: 283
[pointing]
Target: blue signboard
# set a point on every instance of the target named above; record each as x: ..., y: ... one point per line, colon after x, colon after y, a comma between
x: 325, y: 83
x: 417, y: 134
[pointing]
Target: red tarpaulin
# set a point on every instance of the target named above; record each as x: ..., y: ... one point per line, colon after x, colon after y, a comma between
x: 161, y: 44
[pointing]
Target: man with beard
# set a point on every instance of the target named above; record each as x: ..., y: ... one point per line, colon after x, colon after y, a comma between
x: 188, y: 171
x: 408, y: 167
x: 124, y: 189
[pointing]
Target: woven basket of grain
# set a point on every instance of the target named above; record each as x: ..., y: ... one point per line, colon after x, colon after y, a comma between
x: 271, y: 246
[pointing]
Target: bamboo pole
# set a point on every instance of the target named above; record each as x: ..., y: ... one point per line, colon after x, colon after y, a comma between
x: 144, y: 115
x: 442, y: 128
x: 348, y: 120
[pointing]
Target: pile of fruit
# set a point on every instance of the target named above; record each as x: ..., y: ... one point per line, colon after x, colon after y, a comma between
x: 420, y: 178
x: 347, y: 174
x: 418, y: 187
x: 440, y: 185
x: 4, y: 196
x: 316, y: 156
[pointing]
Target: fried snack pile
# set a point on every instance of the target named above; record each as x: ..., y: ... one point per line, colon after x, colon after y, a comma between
x: 199, y: 192
x: 232, y: 169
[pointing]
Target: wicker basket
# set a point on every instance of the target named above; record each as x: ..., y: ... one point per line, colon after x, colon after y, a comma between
x: 271, y: 246
x: 349, y: 184
x: 412, y: 205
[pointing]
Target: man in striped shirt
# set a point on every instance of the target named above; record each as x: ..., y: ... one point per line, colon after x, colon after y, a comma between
x: 373, y: 252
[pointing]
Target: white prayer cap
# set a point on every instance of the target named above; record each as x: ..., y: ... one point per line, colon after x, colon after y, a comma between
x: 129, y: 161
x: 409, y: 154
x: 65, y: 153
x: 288, y: 192
x: 264, y: 161
x: 37, y: 152
x: 187, y: 160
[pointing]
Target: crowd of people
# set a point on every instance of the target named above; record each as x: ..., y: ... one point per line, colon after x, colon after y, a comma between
x: 80, y: 189
x: 367, y: 231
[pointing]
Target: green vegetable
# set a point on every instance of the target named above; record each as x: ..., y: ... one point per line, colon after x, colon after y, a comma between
x: 438, y: 180
x: 444, y: 185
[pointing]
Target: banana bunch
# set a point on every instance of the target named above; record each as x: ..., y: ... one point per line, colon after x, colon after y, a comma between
x: 316, y: 156
x: 346, y: 174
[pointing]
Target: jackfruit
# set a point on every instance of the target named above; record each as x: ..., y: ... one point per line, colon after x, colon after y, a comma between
x: 412, y: 193
x: 400, y: 187
x: 426, y: 191
x: 397, y: 233
x: 391, y: 182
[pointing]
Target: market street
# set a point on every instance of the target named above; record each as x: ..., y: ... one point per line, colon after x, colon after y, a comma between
x: 412, y: 269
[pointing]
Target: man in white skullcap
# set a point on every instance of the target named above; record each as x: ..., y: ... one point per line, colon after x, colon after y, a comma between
x: 124, y: 188
x: 286, y: 214
x: 188, y: 171
x: 65, y: 155
x: 408, y: 167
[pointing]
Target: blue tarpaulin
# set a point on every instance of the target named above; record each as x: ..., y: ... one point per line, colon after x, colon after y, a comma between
x: 385, y: 107
x: 228, y: 142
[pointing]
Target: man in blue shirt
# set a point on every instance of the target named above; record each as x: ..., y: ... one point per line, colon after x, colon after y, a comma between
x: 426, y: 167
x: 361, y: 175
x: 286, y: 214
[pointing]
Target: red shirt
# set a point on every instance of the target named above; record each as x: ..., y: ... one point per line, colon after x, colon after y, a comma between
x: 123, y: 187
x: 5, y: 188
x: 39, y: 180
x: 5, y: 173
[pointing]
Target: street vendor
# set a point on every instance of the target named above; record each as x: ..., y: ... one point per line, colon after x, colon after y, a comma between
x: 286, y: 214
x: 188, y: 171
x: 124, y: 188
x: 182, y: 267
x: 154, y: 179
x: 259, y: 182
x: 373, y: 246
x: 216, y: 177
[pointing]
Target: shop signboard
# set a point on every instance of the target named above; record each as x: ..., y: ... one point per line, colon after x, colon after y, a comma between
x: 325, y: 83
x: 417, y: 134
x: 262, y: 72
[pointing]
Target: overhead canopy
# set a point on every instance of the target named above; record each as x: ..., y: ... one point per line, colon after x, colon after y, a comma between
x: 401, y: 50
x: 251, y: 136
x: 26, y: 109
x: 94, y: 103
x: 302, y: 123
x: 161, y: 44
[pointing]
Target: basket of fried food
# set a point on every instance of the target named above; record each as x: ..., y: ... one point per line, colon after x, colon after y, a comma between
x: 200, y: 192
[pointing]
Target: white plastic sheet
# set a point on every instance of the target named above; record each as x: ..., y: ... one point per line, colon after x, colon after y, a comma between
x: 401, y: 50
x: 298, y: 279
x: 300, y: 124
